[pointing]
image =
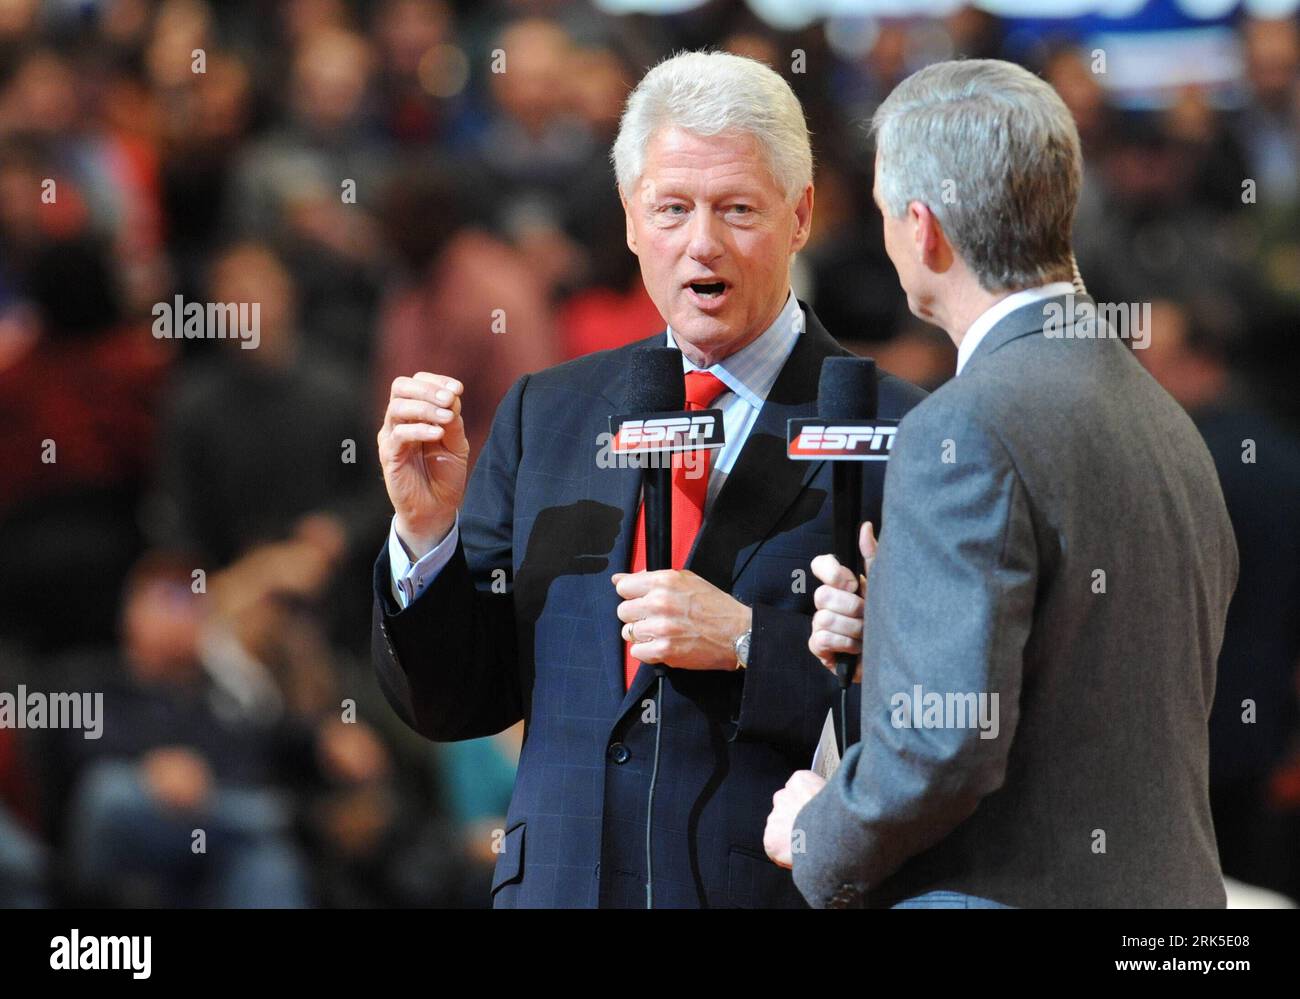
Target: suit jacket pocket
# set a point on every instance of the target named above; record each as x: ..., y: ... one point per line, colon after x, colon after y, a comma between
x: 510, y: 865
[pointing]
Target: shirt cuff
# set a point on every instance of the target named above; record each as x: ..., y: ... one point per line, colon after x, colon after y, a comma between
x: 410, y: 581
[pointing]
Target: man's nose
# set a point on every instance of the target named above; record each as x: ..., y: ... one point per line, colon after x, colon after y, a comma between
x: 706, y: 240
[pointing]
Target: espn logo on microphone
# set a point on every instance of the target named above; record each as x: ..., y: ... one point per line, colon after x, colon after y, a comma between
x: 815, y: 439
x: 642, y: 433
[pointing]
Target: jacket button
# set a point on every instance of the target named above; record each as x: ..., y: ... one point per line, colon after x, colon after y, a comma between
x: 618, y: 753
x: 843, y: 897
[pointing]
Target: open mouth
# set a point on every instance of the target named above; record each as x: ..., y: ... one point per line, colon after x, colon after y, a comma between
x: 708, y: 295
x: 708, y: 289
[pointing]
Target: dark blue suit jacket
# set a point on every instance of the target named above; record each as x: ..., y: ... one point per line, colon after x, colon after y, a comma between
x: 549, y: 526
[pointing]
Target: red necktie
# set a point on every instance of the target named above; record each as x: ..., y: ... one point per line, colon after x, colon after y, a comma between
x: 689, y: 494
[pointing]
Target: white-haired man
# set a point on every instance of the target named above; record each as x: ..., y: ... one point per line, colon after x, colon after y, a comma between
x: 533, y: 601
x: 1047, y: 602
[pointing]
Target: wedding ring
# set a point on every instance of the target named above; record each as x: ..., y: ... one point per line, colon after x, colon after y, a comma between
x: 629, y: 633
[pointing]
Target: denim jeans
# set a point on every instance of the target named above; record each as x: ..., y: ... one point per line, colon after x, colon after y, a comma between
x: 948, y: 900
x: 22, y: 866
x: 125, y: 843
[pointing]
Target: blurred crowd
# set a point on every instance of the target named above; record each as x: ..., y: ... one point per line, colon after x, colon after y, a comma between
x: 189, y: 527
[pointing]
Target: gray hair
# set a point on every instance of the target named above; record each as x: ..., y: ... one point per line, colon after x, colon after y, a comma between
x: 708, y: 93
x: 994, y: 153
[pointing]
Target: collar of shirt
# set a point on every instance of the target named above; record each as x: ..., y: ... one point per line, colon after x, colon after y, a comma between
x: 980, y: 328
x: 751, y: 371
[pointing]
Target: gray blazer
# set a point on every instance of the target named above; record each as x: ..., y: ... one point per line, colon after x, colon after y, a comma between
x: 1053, y: 533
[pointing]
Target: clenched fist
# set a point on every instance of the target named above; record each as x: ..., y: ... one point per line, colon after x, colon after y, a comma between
x: 425, y: 458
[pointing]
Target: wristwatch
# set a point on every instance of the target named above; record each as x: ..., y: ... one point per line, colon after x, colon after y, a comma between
x: 742, y: 650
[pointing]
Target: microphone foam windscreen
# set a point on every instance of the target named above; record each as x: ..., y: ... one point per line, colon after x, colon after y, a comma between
x: 847, y: 389
x: 656, y: 382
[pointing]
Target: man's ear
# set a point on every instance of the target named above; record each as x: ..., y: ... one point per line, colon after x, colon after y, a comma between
x: 627, y: 219
x: 928, y: 239
x: 803, y: 213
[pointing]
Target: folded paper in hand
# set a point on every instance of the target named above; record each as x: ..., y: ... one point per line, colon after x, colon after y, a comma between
x: 826, y: 758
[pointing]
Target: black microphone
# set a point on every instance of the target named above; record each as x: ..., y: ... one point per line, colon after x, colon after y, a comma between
x: 847, y: 391
x: 657, y: 384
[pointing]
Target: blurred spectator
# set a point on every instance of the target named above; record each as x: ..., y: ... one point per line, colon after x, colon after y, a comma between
x: 257, y: 440
x: 1066, y: 69
x: 79, y: 389
x: 203, y: 127
x: 1255, y: 723
x: 1151, y: 231
x: 171, y: 760
x: 467, y: 304
x: 1202, y: 139
x: 534, y: 148
x: 207, y: 727
x: 608, y: 306
x: 310, y: 187
x: 298, y: 170
x: 23, y: 858
x: 920, y: 353
x: 1269, y: 126
x: 423, y: 73
x: 102, y: 161
x: 851, y: 281
x: 480, y: 774
x: 601, y: 317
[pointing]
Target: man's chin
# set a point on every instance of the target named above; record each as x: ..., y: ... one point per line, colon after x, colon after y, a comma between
x: 704, y: 331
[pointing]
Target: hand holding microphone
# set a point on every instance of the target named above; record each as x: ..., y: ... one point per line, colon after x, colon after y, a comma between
x: 671, y: 615
x: 846, y: 432
x: 676, y: 617
x: 841, y: 602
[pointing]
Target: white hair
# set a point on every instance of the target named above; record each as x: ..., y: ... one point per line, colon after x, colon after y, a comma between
x: 993, y: 152
x: 708, y: 93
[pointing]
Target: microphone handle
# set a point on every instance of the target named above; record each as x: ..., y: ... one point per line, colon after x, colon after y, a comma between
x: 846, y: 508
x: 658, y: 517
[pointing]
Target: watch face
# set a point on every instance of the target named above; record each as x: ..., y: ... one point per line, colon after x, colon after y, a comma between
x: 742, y: 648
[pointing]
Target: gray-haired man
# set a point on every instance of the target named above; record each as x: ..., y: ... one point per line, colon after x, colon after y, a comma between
x: 525, y: 593
x: 1048, y: 599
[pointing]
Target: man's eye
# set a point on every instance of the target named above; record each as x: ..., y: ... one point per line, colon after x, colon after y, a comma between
x: 673, y: 209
